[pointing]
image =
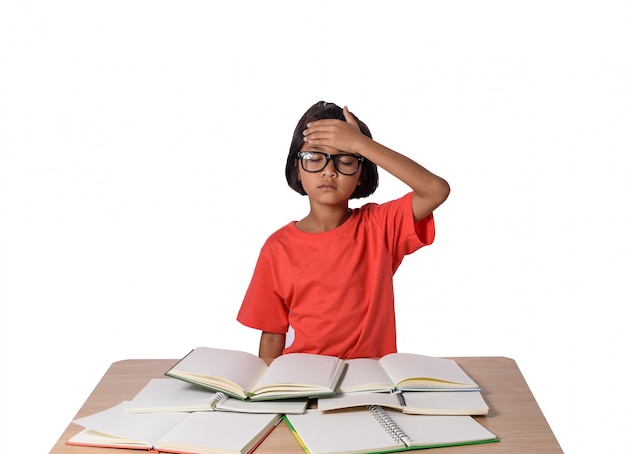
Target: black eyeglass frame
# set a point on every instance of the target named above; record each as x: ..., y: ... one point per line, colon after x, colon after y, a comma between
x: 334, y: 157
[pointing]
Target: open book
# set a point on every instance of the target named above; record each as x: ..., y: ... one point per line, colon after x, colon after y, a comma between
x: 166, y: 394
x: 244, y: 375
x: 374, y: 430
x: 406, y: 372
x: 414, y: 403
x: 175, y: 432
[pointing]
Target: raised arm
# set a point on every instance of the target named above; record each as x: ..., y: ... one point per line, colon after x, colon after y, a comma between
x: 429, y: 190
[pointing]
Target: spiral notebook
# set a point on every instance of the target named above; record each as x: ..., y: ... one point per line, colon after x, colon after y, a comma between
x: 374, y: 430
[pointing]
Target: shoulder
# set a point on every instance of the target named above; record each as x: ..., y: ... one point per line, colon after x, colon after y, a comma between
x: 386, y: 208
x: 280, y: 233
x: 280, y: 238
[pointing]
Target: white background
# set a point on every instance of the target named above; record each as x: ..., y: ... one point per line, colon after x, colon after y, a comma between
x: 142, y: 150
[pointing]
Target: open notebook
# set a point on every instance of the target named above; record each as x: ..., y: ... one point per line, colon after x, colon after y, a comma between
x: 168, y: 394
x: 413, y: 402
x: 246, y: 376
x: 175, y: 432
x: 375, y: 430
x: 405, y: 372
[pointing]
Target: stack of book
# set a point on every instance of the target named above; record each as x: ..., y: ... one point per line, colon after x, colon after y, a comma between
x: 217, y: 400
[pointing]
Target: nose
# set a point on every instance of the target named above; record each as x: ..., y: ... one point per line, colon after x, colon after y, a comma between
x: 330, y: 170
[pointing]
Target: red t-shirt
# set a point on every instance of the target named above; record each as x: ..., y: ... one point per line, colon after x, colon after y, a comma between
x: 335, y: 288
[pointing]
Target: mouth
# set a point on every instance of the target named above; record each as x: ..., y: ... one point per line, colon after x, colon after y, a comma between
x: 327, y: 187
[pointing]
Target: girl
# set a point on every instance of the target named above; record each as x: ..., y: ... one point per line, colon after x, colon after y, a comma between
x: 329, y: 276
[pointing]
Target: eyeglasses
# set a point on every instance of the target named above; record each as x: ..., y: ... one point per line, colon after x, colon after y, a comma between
x: 316, y: 161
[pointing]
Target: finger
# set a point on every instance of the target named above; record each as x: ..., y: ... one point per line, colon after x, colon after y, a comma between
x: 317, y: 137
x: 349, y: 118
x: 322, y: 126
x: 324, y: 123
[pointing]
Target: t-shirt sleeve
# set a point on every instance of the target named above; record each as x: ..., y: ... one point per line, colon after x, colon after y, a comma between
x: 262, y: 308
x: 402, y: 234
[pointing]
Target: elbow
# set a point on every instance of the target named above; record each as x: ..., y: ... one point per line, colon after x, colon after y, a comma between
x: 426, y: 203
x: 442, y: 191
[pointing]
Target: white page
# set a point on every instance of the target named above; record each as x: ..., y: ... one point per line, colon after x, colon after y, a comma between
x: 168, y: 394
x: 302, y: 369
x: 446, y: 402
x: 287, y: 406
x: 146, y: 428
x: 401, y: 366
x: 364, y: 371
x: 236, y: 432
x: 351, y: 431
x: 242, y: 368
x: 417, y: 402
x: 360, y: 399
x: 440, y: 430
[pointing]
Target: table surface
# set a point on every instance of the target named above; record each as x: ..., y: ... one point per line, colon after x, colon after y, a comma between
x: 514, y: 415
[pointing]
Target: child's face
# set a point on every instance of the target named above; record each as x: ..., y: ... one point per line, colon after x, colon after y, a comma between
x: 328, y: 185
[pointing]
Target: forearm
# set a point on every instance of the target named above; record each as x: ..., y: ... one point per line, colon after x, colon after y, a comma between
x: 271, y: 345
x: 429, y: 190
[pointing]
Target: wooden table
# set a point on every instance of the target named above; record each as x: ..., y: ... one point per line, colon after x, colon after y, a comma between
x: 514, y: 415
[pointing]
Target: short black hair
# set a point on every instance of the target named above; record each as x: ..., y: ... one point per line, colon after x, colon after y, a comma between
x: 318, y: 111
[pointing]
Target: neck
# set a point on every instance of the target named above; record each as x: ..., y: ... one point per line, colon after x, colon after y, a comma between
x: 323, y: 219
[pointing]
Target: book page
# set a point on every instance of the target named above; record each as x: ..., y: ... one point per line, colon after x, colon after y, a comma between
x: 415, y: 402
x: 126, y: 427
x: 434, y: 431
x: 231, y: 432
x: 301, y: 372
x: 445, y: 403
x: 169, y: 394
x: 219, y: 366
x: 363, y: 374
x: 349, y: 431
x: 359, y: 399
x: 286, y: 406
x: 88, y: 437
x: 412, y: 371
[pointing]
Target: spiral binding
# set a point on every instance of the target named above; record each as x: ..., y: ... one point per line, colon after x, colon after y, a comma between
x: 390, y: 426
x: 217, y: 399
